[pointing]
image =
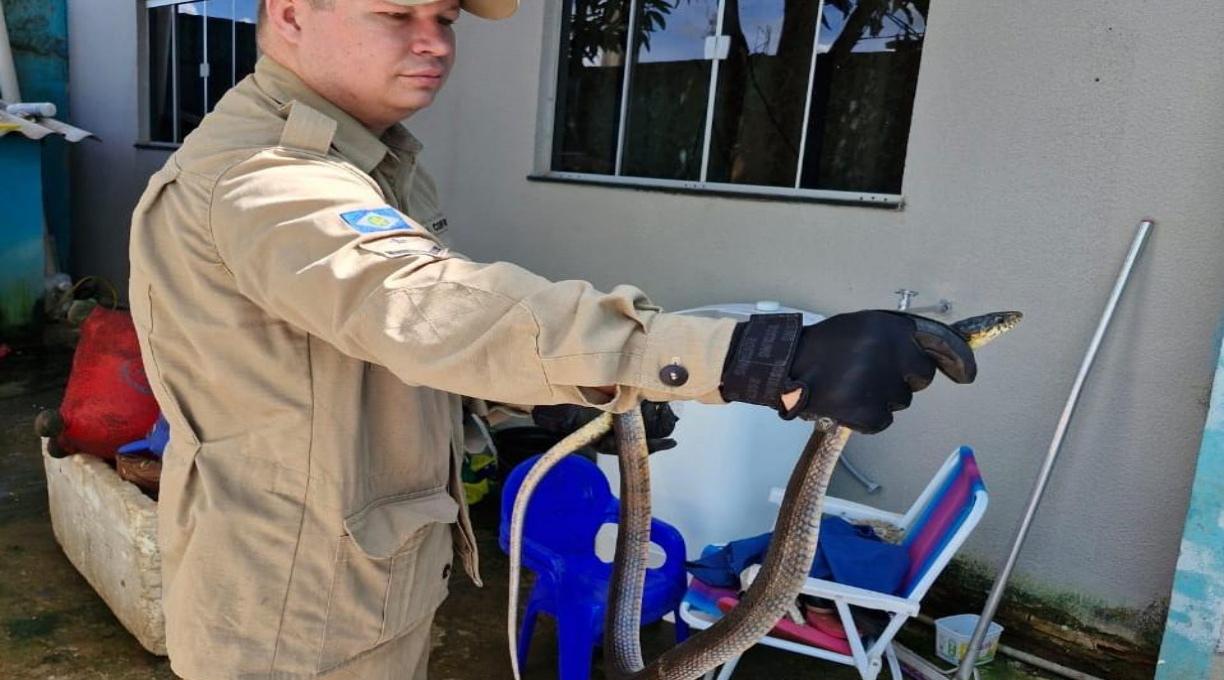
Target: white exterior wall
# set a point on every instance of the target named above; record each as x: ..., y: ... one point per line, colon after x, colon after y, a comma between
x: 1041, y: 136
x: 105, y: 63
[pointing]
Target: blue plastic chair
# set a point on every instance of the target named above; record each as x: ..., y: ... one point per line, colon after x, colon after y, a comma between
x: 568, y: 508
x: 154, y: 442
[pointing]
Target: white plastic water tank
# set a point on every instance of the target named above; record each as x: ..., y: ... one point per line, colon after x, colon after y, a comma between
x: 714, y: 486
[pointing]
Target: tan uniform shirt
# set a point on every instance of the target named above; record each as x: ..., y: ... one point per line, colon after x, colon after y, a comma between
x: 306, y: 334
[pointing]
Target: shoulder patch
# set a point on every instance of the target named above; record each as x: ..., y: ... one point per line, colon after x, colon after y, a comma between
x: 376, y: 220
x: 307, y: 129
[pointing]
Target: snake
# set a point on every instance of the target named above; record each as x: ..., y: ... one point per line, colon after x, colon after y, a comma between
x: 782, y: 575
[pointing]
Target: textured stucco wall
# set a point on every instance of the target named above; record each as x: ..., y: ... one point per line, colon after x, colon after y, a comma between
x: 1040, y: 138
x: 108, y: 175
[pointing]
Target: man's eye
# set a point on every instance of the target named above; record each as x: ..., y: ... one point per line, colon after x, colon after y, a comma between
x: 447, y: 21
x: 395, y: 15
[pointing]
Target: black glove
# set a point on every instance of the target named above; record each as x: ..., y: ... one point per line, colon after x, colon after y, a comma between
x: 855, y: 368
x: 563, y: 419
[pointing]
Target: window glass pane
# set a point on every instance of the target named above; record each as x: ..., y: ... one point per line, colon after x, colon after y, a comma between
x: 244, y: 36
x: 866, y: 74
x: 589, y: 86
x: 161, y: 83
x: 231, y: 45
x: 220, y: 49
x: 665, y: 131
x: 189, y: 36
x: 762, y: 88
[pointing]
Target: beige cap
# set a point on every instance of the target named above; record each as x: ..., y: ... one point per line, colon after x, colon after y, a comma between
x: 486, y: 9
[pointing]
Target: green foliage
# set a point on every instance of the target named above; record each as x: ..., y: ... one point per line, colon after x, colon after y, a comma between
x: 876, y: 12
x: 601, y: 25
x: 16, y: 307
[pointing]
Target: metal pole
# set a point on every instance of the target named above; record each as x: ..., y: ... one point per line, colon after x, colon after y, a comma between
x: 996, y: 592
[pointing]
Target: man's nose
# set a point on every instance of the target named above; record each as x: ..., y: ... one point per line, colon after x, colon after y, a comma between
x: 432, y: 38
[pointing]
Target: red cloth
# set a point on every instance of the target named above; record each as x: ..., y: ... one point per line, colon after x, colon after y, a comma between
x: 795, y: 632
x: 107, y: 402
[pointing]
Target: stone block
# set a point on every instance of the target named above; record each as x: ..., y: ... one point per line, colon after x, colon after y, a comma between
x: 108, y: 529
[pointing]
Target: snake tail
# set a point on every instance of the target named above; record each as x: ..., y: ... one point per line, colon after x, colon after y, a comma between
x: 587, y: 434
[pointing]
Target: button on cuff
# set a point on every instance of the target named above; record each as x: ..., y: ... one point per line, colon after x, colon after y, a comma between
x: 673, y: 374
x: 683, y: 358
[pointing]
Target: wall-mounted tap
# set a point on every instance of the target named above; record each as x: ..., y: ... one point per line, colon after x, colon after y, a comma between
x: 907, y: 296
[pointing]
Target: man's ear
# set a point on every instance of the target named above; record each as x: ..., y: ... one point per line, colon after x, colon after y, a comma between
x: 283, y: 19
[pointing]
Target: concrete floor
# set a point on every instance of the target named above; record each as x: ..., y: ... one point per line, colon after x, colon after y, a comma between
x: 54, y: 627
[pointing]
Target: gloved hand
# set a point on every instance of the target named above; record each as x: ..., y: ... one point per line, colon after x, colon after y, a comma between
x: 856, y: 368
x: 563, y: 419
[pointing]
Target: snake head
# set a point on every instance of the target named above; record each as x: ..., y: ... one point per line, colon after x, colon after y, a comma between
x: 979, y: 330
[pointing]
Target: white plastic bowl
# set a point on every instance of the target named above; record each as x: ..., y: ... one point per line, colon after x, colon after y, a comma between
x: 952, y: 635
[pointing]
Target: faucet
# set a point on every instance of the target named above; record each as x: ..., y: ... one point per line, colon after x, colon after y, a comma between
x: 907, y: 296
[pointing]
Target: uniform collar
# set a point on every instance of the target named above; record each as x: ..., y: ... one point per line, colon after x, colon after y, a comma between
x: 353, y: 140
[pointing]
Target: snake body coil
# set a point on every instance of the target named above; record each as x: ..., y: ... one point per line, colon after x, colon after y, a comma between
x: 781, y: 577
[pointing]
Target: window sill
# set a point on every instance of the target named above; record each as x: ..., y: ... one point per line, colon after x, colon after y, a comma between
x: 158, y: 146
x: 889, y: 201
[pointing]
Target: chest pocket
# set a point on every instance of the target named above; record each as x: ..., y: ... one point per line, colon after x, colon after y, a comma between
x: 391, y: 572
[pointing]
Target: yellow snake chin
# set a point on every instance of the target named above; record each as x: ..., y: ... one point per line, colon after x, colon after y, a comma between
x: 980, y: 330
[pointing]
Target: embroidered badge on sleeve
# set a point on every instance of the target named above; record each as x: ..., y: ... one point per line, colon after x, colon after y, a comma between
x: 376, y: 220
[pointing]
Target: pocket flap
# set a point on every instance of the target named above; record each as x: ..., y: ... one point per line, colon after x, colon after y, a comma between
x: 385, y: 526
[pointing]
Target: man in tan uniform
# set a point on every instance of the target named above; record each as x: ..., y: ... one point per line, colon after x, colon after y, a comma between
x: 308, y: 335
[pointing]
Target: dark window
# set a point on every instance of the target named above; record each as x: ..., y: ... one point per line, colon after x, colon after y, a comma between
x: 797, y: 94
x: 197, y: 51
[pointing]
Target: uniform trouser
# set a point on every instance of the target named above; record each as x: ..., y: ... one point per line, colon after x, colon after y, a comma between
x: 404, y: 658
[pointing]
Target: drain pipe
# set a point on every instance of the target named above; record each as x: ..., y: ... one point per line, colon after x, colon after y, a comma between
x: 1064, y: 421
x: 1045, y: 664
x: 9, y: 91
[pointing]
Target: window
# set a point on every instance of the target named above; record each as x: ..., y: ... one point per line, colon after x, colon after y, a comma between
x: 790, y: 97
x: 197, y: 51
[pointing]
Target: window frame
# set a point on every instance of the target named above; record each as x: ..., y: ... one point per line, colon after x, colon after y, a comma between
x: 145, y: 135
x: 554, y: 15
